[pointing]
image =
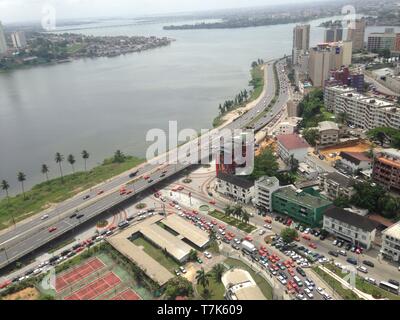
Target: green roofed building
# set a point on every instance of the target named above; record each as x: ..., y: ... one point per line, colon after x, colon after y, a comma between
x: 301, y: 205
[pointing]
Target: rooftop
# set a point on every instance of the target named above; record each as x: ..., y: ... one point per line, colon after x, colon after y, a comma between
x: 301, y: 197
x: 354, y: 157
x: 239, y: 181
x: 268, y: 181
x: 393, y: 231
x: 351, y: 218
x: 328, y: 125
x: 241, y: 285
x: 340, y: 179
x: 292, y: 142
x: 199, y: 237
x: 164, y: 239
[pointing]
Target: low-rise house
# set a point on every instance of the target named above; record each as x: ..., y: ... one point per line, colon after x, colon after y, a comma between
x: 292, y: 145
x: 328, y: 133
x: 391, y: 243
x: 354, y: 161
x: 350, y: 227
x: 238, y: 188
x: 334, y: 185
x: 300, y: 205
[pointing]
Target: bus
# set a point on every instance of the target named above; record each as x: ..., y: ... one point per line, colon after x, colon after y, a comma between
x: 389, y: 287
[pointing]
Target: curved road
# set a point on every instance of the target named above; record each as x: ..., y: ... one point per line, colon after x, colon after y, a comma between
x: 34, y: 232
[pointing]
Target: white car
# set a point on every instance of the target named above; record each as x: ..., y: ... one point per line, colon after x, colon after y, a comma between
x: 301, y: 297
x: 309, y: 293
x: 282, y: 280
x: 362, y: 269
x: 268, y: 226
x: 237, y: 241
x: 183, y: 270
x: 207, y: 255
x: 44, y: 217
x: 262, y: 232
x: 320, y: 290
x: 37, y: 271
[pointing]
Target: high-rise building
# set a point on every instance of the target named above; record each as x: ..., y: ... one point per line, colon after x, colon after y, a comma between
x: 384, y: 40
x: 3, y: 43
x: 328, y: 56
x: 386, y: 169
x: 301, y: 41
x: 18, y: 39
x: 357, y: 34
x: 333, y: 35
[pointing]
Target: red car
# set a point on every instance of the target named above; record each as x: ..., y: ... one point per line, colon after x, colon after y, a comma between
x: 268, y: 220
x: 312, y: 245
x: 248, y: 238
x: 78, y: 249
x: 214, y: 222
x: 52, y: 229
x: 100, y: 192
x: 306, y: 236
x: 212, y: 202
x: 221, y: 226
x: 146, y: 177
x: 231, y: 234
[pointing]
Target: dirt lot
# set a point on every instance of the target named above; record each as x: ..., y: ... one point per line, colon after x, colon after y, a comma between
x: 26, y: 294
x: 357, y: 147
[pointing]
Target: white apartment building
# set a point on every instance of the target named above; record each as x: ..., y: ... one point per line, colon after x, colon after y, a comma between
x: 238, y: 188
x: 264, y: 188
x: 334, y: 185
x: 367, y: 112
x: 391, y: 243
x: 330, y: 94
x: 350, y: 227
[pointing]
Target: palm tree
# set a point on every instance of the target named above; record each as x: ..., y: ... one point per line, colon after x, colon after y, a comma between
x: 5, y: 186
x: 245, y: 216
x: 202, y: 278
x: 45, y: 171
x: 85, y: 156
x: 71, y: 161
x: 217, y: 271
x: 21, y: 178
x: 59, y: 158
x: 228, y: 210
x: 238, y: 211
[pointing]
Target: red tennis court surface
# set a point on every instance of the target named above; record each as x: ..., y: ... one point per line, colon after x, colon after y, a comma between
x: 96, y: 288
x: 127, y: 295
x: 78, y: 274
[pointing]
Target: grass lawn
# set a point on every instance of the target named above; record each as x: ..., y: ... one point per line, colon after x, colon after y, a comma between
x: 261, y: 282
x: 365, y: 286
x: 217, y: 290
x: 157, y: 254
x: 43, y: 195
x: 346, y: 294
x: 233, y: 221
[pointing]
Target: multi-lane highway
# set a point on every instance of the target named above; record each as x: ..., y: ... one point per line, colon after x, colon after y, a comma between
x: 35, y: 232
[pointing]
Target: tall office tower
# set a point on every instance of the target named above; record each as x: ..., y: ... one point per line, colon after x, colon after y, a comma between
x: 301, y: 41
x: 357, y: 34
x: 3, y: 43
x: 18, y: 39
x: 333, y: 35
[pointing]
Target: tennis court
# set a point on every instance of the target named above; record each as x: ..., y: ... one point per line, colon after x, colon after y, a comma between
x: 78, y: 274
x: 127, y: 295
x: 96, y: 288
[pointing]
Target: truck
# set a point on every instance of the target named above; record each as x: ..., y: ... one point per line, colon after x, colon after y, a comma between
x: 248, y: 247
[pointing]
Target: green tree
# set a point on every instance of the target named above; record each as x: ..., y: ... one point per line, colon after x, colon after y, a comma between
x: 245, y: 216
x: 311, y: 135
x: 193, y: 255
x: 228, y: 210
x: 217, y: 272
x: 22, y: 178
x: 342, y: 118
x: 238, y: 211
x: 288, y: 235
x: 59, y: 158
x: 202, y: 278
x: 85, y: 156
x: 5, y: 186
x: 265, y: 165
x: 45, y: 170
x: 342, y: 202
x: 178, y: 286
x: 71, y: 161
x: 119, y: 156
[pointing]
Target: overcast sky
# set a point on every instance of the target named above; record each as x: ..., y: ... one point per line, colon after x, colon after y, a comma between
x: 31, y: 10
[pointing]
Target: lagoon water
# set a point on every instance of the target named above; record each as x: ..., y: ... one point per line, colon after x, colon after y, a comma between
x: 106, y: 104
